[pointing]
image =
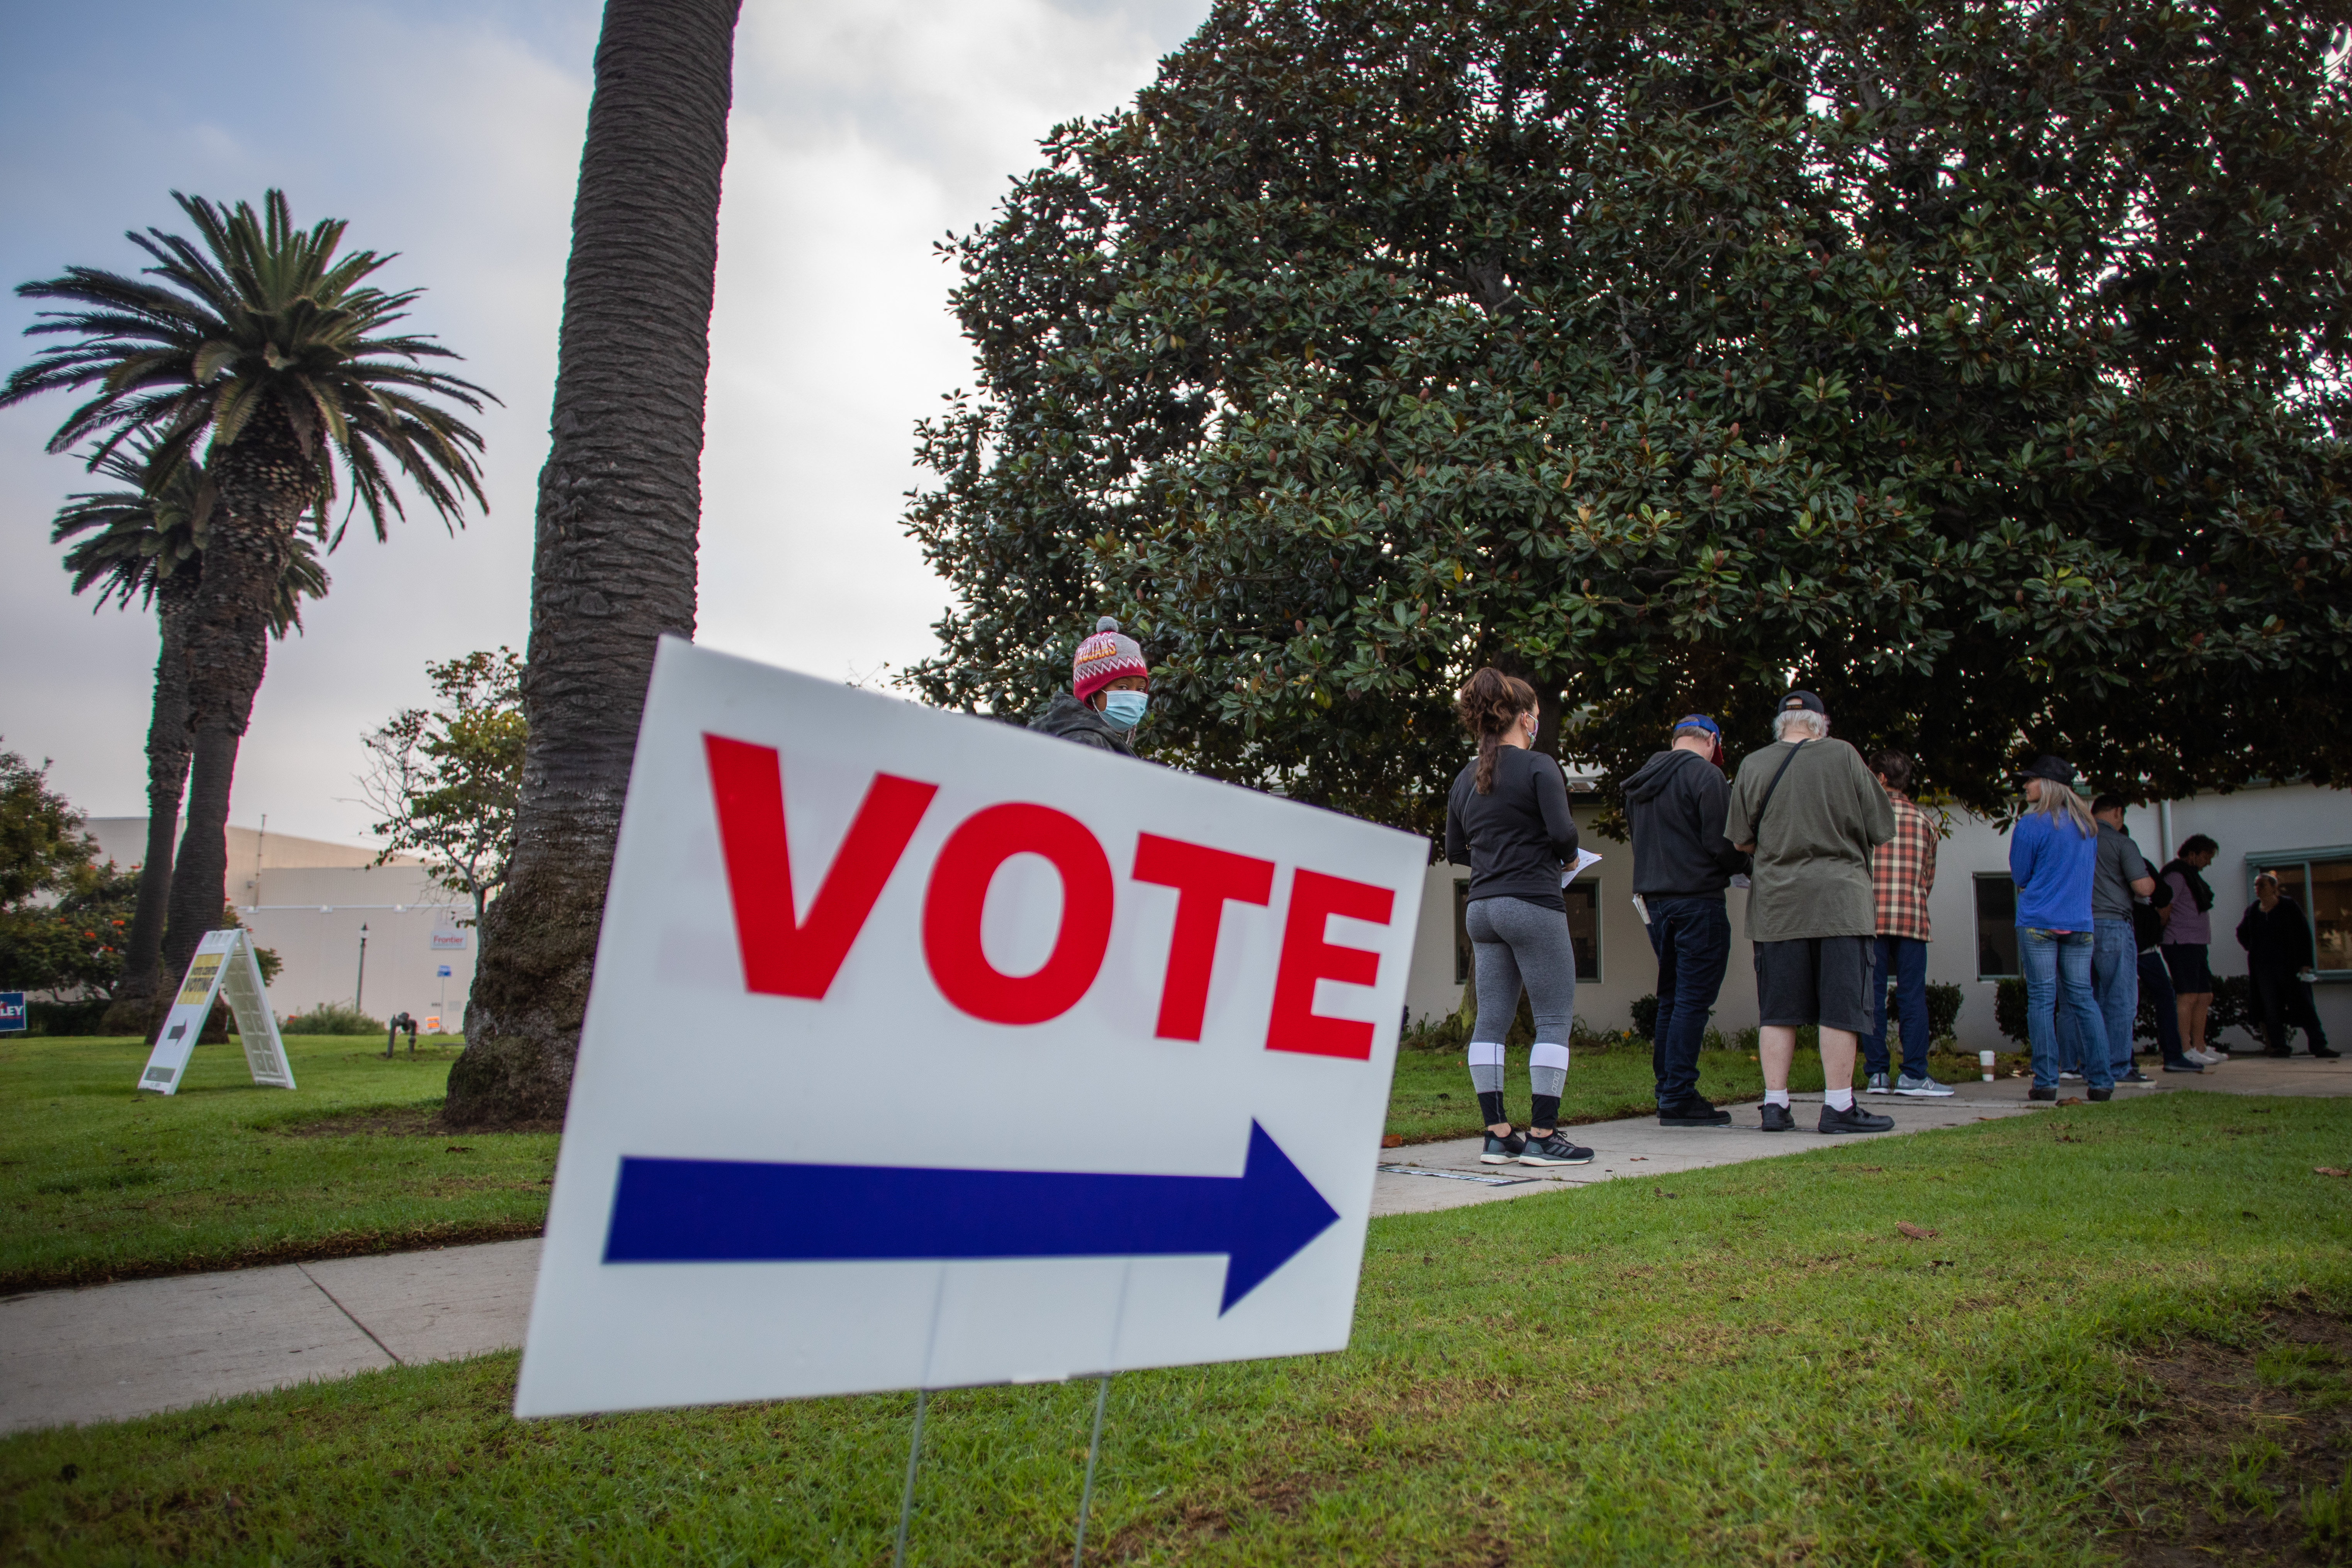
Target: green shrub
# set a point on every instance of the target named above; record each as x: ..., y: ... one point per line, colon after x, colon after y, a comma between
x: 2008, y: 1010
x: 65, y: 1018
x: 330, y: 1018
x: 1943, y: 1009
x: 1645, y: 1016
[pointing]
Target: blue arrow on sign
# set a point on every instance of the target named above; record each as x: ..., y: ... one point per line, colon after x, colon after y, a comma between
x: 738, y: 1211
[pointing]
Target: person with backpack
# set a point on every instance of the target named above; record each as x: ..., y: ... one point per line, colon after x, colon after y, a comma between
x: 1508, y: 818
x: 1676, y: 804
x: 2053, y: 855
x: 1109, y: 688
x: 1808, y: 811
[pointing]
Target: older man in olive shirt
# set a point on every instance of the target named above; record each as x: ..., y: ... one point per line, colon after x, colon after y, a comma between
x: 1811, y: 811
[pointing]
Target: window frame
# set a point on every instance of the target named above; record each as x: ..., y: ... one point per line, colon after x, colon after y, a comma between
x: 2303, y: 860
x: 1463, y: 962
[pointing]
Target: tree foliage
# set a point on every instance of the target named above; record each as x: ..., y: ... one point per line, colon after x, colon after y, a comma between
x: 62, y: 914
x: 1979, y: 366
x: 449, y: 778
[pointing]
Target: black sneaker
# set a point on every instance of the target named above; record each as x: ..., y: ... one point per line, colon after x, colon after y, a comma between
x: 2325, y: 1052
x: 2135, y: 1076
x: 1696, y: 1111
x: 1854, y: 1119
x: 1502, y: 1151
x: 2043, y: 1091
x: 1555, y: 1149
x: 2184, y: 1064
x: 2100, y: 1094
x: 1778, y: 1120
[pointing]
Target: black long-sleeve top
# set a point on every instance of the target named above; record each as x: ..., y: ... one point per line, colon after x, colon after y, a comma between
x: 2278, y: 941
x: 1517, y: 838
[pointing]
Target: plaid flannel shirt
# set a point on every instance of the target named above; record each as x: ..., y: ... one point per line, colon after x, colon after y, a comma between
x: 1903, y: 872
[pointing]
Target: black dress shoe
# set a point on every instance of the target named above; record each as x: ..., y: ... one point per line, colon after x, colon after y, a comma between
x: 2043, y: 1091
x: 1778, y: 1120
x: 1694, y: 1111
x: 2280, y: 1051
x: 2325, y: 1052
x: 2100, y: 1094
x: 1853, y: 1119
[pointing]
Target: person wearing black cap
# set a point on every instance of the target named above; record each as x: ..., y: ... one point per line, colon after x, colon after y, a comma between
x: 2053, y: 856
x: 1676, y: 804
x: 1810, y: 811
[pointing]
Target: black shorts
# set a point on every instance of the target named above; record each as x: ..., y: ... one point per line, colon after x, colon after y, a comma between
x: 1822, y: 980
x: 2185, y: 962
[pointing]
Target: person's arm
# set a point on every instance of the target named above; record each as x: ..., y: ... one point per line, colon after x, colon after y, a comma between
x: 1551, y: 799
x: 1926, y: 854
x: 2246, y: 926
x: 1713, y: 807
x: 2024, y: 850
x: 1737, y: 828
x: 2136, y: 876
x: 1457, y: 845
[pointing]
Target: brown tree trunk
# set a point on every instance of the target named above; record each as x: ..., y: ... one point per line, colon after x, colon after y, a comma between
x: 620, y: 501
x: 265, y: 482
x: 139, y: 994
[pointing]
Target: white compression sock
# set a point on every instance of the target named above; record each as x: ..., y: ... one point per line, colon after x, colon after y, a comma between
x: 1840, y: 1099
x: 1776, y: 1096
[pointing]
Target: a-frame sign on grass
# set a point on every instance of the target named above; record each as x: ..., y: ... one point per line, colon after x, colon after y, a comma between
x: 223, y: 967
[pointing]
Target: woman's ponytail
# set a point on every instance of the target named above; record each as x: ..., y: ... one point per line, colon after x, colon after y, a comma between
x: 1488, y: 704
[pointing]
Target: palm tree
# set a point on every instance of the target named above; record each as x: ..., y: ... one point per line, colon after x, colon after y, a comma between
x: 620, y: 501
x: 265, y: 344
x: 146, y: 542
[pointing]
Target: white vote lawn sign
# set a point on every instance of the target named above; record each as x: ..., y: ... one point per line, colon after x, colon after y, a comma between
x: 224, y: 966
x: 927, y: 1051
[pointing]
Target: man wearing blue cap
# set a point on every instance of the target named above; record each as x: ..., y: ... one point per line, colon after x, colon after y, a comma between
x: 1682, y: 862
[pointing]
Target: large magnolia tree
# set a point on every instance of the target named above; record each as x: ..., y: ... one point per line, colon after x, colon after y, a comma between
x: 1979, y: 366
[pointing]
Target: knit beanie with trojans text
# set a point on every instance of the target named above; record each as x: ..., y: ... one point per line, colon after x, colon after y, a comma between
x: 1104, y: 658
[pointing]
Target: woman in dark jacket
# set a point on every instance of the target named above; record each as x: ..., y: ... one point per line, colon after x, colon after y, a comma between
x: 1507, y: 816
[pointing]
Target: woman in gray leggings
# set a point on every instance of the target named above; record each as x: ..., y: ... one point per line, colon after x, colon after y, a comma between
x: 1507, y: 816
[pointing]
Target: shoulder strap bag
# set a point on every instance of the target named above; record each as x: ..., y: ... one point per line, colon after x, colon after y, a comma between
x: 1756, y: 824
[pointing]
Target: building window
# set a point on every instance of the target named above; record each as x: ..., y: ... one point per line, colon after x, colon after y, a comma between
x: 1996, y: 927
x: 2320, y: 881
x: 1583, y: 900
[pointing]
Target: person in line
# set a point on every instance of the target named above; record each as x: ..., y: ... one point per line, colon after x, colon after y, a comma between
x: 2186, y: 939
x: 1676, y: 803
x: 2053, y: 854
x: 2120, y: 876
x: 1508, y: 818
x: 2279, y: 958
x: 1110, y: 690
x: 2148, y: 916
x: 1811, y: 814
x: 1902, y: 875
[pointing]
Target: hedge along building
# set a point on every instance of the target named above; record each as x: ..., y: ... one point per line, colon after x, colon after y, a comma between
x: 2303, y: 832
x: 306, y: 900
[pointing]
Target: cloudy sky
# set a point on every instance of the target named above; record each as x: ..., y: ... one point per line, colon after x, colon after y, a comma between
x: 450, y: 132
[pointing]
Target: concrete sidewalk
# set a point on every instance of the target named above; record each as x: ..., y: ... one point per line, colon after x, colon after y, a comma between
x: 111, y: 1352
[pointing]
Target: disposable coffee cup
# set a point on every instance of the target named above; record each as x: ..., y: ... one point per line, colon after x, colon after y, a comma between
x: 1984, y: 1061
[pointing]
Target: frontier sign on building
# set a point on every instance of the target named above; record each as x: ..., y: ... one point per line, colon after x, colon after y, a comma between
x: 927, y: 1051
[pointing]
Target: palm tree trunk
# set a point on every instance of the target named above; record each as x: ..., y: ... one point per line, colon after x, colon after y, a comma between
x: 620, y: 501
x: 266, y: 481
x: 136, y: 996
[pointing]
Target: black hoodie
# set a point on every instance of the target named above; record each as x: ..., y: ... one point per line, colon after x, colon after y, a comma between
x: 1676, y: 803
x: 1075, y: 721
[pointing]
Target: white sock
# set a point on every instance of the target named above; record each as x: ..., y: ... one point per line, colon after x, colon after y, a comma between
x: 1840, y: 1099
x: 1776, y: 1096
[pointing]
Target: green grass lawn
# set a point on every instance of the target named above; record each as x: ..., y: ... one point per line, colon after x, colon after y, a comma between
x: 98, y: 1181
x: 1748, y: 1364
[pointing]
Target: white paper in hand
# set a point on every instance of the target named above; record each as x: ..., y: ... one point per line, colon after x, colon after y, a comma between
x: 1583, y: 857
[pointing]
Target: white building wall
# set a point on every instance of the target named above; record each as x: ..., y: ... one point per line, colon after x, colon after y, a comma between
x: 2248, y: 822
x: 306, y: 900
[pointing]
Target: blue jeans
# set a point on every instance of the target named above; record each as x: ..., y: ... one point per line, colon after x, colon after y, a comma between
x: 1905, y: 957
x: 2060, y: 1009
x: 1692, y: 938
x: 2155, y: 985
x: 2115, y: 983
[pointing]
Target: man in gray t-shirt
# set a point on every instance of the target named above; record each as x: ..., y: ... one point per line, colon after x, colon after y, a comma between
x: 2119, y: 875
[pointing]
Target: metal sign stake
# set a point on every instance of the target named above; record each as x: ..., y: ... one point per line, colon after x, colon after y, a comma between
x: 1094, y: 1447
x: 906, y: 1497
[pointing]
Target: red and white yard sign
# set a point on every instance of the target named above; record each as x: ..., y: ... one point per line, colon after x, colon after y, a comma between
x: 925, y: 1050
